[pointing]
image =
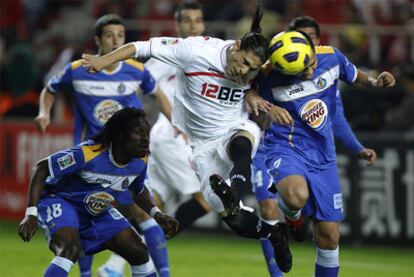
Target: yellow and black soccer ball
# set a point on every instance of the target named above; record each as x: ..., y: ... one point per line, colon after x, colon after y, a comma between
x: 290, y: 52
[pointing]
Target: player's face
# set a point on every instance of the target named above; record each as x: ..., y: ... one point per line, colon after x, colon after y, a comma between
x: 307, y: 73
x: 242, y: 65
x: 136, y: 142
x: 311, y: 32
x: 191, y: 24
x: 113, y: 37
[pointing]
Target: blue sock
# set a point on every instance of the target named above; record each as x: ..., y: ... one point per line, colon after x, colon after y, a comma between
x: 157, y: 246
x: 327, y: 263
x: 269, y: 254
x: 59, y: 267
x: 85, y: 266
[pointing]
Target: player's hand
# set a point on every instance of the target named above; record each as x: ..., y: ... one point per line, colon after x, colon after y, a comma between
x: 263, y: 120
x: 385, y: 80
x: 255, y: 103
x: 280, y: 115
x: 28, y: 227
x: 369, y: 155
x: 41, y: 122
x: 168, y: 223
x: 93, y: 63
x: 178, y: 132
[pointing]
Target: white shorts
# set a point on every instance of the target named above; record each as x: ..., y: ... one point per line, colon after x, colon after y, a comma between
x: 170, y: 169
x: 212, y: 158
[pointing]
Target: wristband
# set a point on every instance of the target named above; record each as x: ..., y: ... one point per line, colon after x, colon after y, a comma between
x: 154, y: 210
x: 31, y: 211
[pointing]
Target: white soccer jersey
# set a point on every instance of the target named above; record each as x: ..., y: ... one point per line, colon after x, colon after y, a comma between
x: 207, y: 103
x: 162, y: 130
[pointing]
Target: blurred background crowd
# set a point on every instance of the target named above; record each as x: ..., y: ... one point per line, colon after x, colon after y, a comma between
x: 38, y: 37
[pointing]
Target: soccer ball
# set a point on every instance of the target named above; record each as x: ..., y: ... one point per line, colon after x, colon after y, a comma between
x: 290, y: 52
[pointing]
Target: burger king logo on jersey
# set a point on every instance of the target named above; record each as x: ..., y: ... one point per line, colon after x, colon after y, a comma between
x: 97, y: 201
x: 105, y: 109
x: 314, y: 113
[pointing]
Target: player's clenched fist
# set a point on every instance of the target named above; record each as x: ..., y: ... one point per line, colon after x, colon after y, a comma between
x: 93, y: 63
x: 385, y: 80
x: 168, y: 223
x: 41, y: 122
x: 28, y: 227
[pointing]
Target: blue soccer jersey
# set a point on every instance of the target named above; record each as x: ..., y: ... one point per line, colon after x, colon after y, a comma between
x: 87, y: 177
x: 98, y: 96
x: 311, y: 103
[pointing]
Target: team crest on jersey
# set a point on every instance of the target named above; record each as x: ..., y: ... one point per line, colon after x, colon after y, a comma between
x: 321, y: 83
x: 105, y: 109
x: 97, y: 201
x: 314, y: 113
x: 170, y: 41
x: 121, y: 88
x: 66, y: 161
x: 125, y: 183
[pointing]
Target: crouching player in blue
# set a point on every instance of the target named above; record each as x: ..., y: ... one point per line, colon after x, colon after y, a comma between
x: 300, y: 156
x: 71, y: 192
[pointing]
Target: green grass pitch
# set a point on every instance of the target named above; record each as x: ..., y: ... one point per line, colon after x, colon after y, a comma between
x: 205, y: 255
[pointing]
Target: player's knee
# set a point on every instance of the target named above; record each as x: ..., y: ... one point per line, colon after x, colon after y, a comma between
x: 139, y: 254
x: 296, y: 197
x: 327, y: 241
x: 70, y: 249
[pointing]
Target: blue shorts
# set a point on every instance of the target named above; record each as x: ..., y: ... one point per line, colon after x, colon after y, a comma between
x: 260, y: 178
x: 325, y: 194
x: 56, y: 213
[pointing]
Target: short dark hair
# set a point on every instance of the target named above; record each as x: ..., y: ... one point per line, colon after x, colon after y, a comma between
x: 304, y: 22
x: 255, y: 40
x: 120, y: 124
x: 186, y: 5
x: 107, y: 19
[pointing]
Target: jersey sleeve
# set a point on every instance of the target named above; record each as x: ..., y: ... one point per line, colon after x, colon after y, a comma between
x: 61, y: 81
x: 66, y: 162
x: 173, y: 51
x: 137, y: 186
x: 148, y: 84
x: 342, y: 130
x: 159, y: 70
x: 347, y: 70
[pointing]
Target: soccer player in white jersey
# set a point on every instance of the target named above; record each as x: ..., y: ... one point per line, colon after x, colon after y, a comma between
x: 96, y: 98
x: 212, y: 78
x: 170, y: 167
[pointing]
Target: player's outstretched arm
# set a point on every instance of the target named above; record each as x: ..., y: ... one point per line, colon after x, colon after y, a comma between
x: 167, y: 223
x: 28, y: 226
x: 162, y: 102
x: 369, y: 155
x: 383, y: 80
x: 96, y: 63
x: 46, y: 101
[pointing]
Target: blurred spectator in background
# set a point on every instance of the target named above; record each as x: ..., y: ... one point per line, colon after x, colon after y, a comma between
x: 270, y: 20
x: 18, y: 97
x: 401, y: 118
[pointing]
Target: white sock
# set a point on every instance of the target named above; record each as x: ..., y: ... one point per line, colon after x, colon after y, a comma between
x: 142, y: 270
x: 291, y: 214
x: 116, y: 263
x: 327, y: 258
x: 63, y: 263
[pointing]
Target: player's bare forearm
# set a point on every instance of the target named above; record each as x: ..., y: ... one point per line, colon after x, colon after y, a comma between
x: 47, y: 99
x: 94, y: 63
x: 163, y: 103
x: 383, y: 80
x: 143, y: 200
x: 37, y: 182
x: 42, y: 120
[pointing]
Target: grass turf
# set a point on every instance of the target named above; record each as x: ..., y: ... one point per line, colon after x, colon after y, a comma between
x: 205, y: 255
